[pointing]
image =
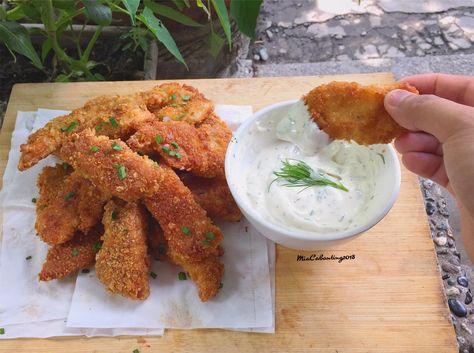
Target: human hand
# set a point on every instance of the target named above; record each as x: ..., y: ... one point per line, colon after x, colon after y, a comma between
x: 440, y: 141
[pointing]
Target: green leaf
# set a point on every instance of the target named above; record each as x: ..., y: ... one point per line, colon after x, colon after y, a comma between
x: 45, y: 48
x: 31, y: 11
x: 217, y: 43
x: 200, y: 4
x: 171, y: 13
x: 64, y: 4
x: 221, y: 10
x: 132, y: 7
x: 62, y: 78
x: 3, y: 14
x: 161, y: 33
x: 98, y: 13
x: 179, y: 4
x: 245, y: 14
x: 15, y: 14
x: 17, y: 39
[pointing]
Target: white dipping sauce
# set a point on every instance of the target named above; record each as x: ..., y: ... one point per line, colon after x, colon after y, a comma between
x: 322, y: 209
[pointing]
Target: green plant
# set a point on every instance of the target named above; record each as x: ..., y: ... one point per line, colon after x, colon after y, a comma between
x: 58, y: 18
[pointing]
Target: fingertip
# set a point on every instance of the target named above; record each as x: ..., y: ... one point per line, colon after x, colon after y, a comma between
x: 396, y: 97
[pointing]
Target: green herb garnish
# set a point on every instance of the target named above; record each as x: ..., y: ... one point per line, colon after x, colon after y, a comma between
x: 382, y: 156
x: 114, y: 214
x: 121, y: 171
x: 180, y: 116
x: 136, y: 351
x: 210, y: 235
x: 94, y: 149
x: 85, y: 270
x: 75, y: 252
x: 70, y: 127
x: 182, y: 276
x: 186, y: 98
x: 98, y: 127
x: 69, y: 195
x: 158, y: 139
x: 28, y: 257
x: 185, y: 230
x: 173, y: 97
x: 66, y: 166
x: 302, y: 175
x: 221, y: 285
x: 162, y: 248
x: 97, y: 246
x: 116, y: 146
x: 175, y: 145
x: 166, y: 149
x: 2, y: 331
x: 153, y: 274
x: 34, y: 199
x: 113, y: 121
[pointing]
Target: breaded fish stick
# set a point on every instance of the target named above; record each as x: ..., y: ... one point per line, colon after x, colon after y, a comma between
x: 65, y: 259
x: 113, y: 116
x: 67, y: 202
x: 122, y: 264
x: 198, y: 150
x: 350, y: 111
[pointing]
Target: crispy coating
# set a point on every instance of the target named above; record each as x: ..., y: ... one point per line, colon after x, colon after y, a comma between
x: 199, y: 150
x: 113, y: 116
x: 350, y: 111
x: 207, y: 274
x: 65, y: 259
x: 157, y: 244
x: 122, y: 264
x: 139, y: 176
x: 67, y: 202
x: 214, y: 196
x: 174, y: 101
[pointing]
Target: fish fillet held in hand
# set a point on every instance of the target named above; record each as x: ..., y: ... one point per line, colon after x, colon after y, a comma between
x: 67, y: 203
x: 350, y: 111
x: 122, y: 264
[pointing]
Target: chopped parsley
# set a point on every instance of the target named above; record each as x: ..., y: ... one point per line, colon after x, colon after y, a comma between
x: 114, y: 214
x: 182, y: 276
x: 158, y: 139
x: 70, y: 127
x: 75, y: 252
x: 113, y: 121
x: 153, y: 274
x: 2, y: 331
x: 94, y: 149
x: 185, y: 230
x: 85, y: 270
x: 69, y: 195
x: 175, y: 145
x: 28, y: 257
x: 34, y: 199
x: 97, y: 246
x: 186, y: 98
x: 116, y: 146
x: 66, y: 166
x: 121, y: 171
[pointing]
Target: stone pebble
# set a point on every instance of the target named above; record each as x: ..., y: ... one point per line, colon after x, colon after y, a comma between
x: 450, y: 268
x: 457, y: 308
x: 430, y: 208
x: 468, y: 299
x: 463, y: 281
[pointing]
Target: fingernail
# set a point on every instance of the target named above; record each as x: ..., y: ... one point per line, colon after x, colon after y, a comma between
x: 395, y: 97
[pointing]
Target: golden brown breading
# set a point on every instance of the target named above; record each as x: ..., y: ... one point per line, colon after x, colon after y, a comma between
x: 174, y: 101
x: 113, y: 167
x: 214, y: 196
x: 350, y: 111
x: 122, y: 264
x: 157, y: 245
x: 207, y: 274
x: 67, y: 202
x: 182, y: 146
x: 79, y: 252
x: 113, y: 116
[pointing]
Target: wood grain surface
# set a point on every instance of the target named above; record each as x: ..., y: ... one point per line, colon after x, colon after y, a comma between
x: 389, y: 299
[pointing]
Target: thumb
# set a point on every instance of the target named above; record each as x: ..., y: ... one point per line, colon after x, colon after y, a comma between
x: 438, y: 116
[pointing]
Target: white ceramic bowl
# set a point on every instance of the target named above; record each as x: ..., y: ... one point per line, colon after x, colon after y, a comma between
x: 243, y: 149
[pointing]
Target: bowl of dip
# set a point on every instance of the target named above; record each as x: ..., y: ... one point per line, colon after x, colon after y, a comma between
x: 303, y: 190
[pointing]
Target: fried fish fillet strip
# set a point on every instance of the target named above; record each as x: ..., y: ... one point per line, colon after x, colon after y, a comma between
x: 157, y: 245
x: 214, y: 196
x: 67, y: 202
x: 113, y: 116
x: 174, y: 101
x: 199, y: 150
x: 350, y: 111
x: 79, y: 252
x: 122, y: 263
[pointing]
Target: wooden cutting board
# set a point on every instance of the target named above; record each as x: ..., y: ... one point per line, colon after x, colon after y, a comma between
x: 388, y: 299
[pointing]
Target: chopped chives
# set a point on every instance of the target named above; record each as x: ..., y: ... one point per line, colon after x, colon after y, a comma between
x: 69, y: 195
x: 382, y: 156
x: 98, y: 127
x: 113, y: 121
x: 97, y: 246
x: 70, y: 127
x: 162, y: 248
x: 172, y: 153
x: 165, y: 149
x: 158, y: 139
x: 2, y: 331
x: 28, y: 257
x: 180, y: 116
x: 94, y: 149
x: 85, y: 270
x: 182, y: 276
x: 75, y: 252
x: 221, y: 285
x: 185, y: 230
x: 114, y: 214
x: 205, y: 242
x: 116, y: 146
x: 175, y: 145
x: 210, y: 235
x: 121, y: 171
x: 178, y: 155
x: 66, y: 166
x: 136, y: 351
x: 153, y: 274
x: 34, y: 199
x: 186, y: 98
x: 173, y: 96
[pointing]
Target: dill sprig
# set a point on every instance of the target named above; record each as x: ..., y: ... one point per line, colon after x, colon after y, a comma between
x: 302, y: 175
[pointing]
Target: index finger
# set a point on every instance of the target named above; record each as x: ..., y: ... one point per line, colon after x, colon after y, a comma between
x: 457, y: 88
